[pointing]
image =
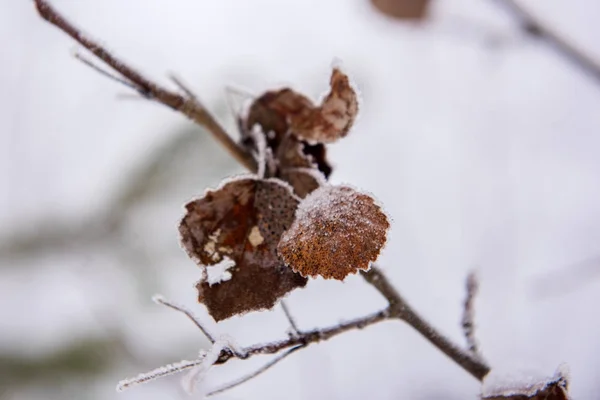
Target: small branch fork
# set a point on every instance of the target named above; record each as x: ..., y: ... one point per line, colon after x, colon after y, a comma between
x: 398, y: 308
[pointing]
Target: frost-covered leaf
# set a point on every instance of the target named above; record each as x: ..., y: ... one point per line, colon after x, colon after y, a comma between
x: 526, y: 386
x: 241, y: 221
x: 403, y: 9
x: 271, y: 111
x: 333, y: 118
x: 296, y: 167
x: 337, y: 231
x: 326, y: 123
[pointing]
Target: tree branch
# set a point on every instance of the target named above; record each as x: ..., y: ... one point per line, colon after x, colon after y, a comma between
x: 536, y: 28
x: 254, y: 374
x: 291, y: 345
x: 188, y: 106
x: 400, y: 309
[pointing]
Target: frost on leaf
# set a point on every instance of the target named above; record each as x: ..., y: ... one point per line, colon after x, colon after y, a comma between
x: 524, y: 387
x: 326, y: 123
x: 333, y: 118
x: 242, y: 221
x: 296, y: 130
x: 297, y: 167
x: 270, y: 111
x: 337, y: 231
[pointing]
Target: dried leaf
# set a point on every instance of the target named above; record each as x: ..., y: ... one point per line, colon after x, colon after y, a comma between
x: 241, y: 221
x: 528, y: 388
x: 403, y: 9
x: 330, y: 121
x: 271, y: 111
x: 337, y: 231
x: 296, y: 167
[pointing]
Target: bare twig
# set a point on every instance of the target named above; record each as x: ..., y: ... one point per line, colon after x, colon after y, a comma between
x: 161, y: 300
x: 103, y: 72
x: 185, y: 88
x: 186, y: 105
x: 312, y: 336
x: 290, y: 319
x: 468, y: 319
x: 536, y: 28
x: 228, y: 351
x: 254, y: 374
x: 400, y: 309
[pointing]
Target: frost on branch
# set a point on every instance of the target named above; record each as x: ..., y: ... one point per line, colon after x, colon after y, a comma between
x: 498, y: 387
x: 241, y: 221
x: 196, y: 376
x: 337, y: 231
x: 160, y: 372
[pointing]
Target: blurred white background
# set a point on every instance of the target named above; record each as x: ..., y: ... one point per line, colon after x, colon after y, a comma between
x: 481, y: 142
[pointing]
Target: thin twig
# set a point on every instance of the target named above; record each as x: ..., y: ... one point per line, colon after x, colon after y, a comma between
x: 312, y: 336
x: 290, y: 319
x: 185, y: 88
x: 78, y: 56
x: 228, y: 351
x: 536, y: 28
x: 161, y: 300
x: 187, y: 106
x: 468, y: 319
x: 400, y: 309
x: 254, y: 374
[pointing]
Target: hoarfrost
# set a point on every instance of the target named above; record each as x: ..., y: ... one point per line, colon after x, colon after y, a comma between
x: 159, y: 372
x: 337, y: 231
x: 219, y: 272
x: 526, y: 384
x: 192, y: 382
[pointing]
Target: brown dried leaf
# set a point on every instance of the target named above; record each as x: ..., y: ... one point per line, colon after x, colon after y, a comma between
x: 333, y: 119
x: 241, y: 221
x: 337, y: 231
x: 269, y: 112
x: 503, y: 388
x: 296, y: 167
x: 403, y: 9
x: 273, y: 110
x: 279, y: 110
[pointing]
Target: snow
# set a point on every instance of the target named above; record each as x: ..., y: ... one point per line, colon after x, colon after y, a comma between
x: 220, y: 271
x: 524, y: 383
